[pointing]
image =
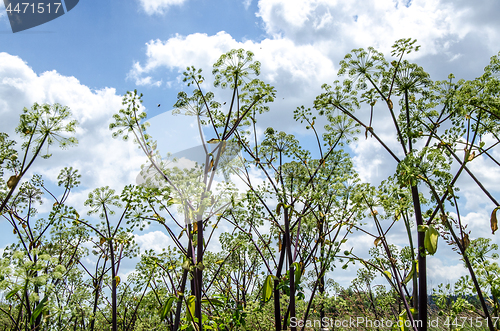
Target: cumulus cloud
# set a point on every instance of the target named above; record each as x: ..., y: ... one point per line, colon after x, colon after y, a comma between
x: 159, y: 6
x: 477, y: 222
x: 443, y: 273
x: 155, y: 240
x: 147, y: 81
x: 436, y: 24
x: 297, y: 71
x: 100, y: 158
x: 278, y: 57
x: 181, y: 51
x: 486, y: 171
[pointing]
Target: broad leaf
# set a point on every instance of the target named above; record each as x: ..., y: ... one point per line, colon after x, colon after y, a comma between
x: 431, y: 240
x: 13, y: 292
x: 167, y: 308
x: 38, y: 310
x: 413, y: 272
x: 267, y: 289
x: 191, y: 300
x: 297, y: 271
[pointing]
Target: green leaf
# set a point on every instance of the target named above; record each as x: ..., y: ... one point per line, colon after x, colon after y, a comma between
x: 191, y: 306
x: 297, y: 271
x: 422, y: 228
x: 13, y: 292
x: 431, y: 240
x: 278, y: 208
x: 215, y: 302
x: 186, y: 265
x: 38, y: 310
x: 167, y: 308
x: 401, y: 321
x: 398, y: 216
x: 13, y: 180
x: 267, y: 289
x: 413, y: 272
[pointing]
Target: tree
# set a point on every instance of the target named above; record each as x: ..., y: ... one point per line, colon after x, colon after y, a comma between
x: 309, y: 209
x: 39, y: 269
x: 41, y: 127
x: 432, y: 122
x: 235, y: 70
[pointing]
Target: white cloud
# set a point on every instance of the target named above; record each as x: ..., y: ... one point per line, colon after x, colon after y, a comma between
x: 278, y: 57
x: 344, y: 25
x: 478, y: 223
x: 371, y: 161
x: 155, y: 240
x: 101, y: 159
x: 438, y: 272
x: 179, y: 52
x: 305, y: 40
x: 145, y: 81
x: 297, y: 71
x: 487, y: 172
x: 247, y: 3
x: 159, y: 6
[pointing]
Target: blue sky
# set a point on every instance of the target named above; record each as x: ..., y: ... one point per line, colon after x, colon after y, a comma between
x: 98, y: 42
x: 89, y: 57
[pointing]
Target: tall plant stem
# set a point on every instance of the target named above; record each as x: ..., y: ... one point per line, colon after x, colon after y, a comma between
x: 178, y: 309
x: 422, y: 263
x: 291, y: 272
x: 277, y: 310
x: 199, y: 273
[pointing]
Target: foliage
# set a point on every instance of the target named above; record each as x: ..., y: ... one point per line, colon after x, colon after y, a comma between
x: 281, y: 239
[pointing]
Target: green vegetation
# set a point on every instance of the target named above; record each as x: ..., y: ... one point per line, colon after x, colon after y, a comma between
x: 289, y: 226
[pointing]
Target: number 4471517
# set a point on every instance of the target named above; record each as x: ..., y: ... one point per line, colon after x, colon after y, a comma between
x: 462, y: 321
x: 30, y: 7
